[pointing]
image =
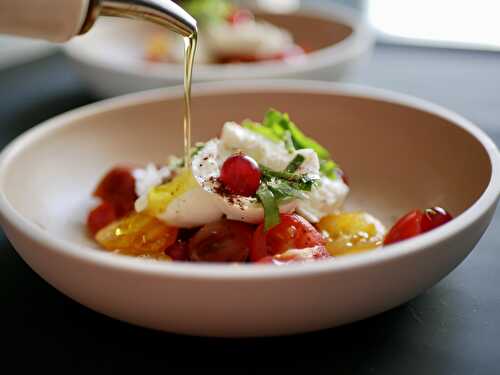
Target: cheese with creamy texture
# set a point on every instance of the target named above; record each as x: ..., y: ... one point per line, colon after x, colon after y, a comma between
x: 194, y: 197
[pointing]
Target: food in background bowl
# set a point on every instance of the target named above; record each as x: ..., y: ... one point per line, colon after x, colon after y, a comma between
x: 261, y: 192
x: 228, y: 34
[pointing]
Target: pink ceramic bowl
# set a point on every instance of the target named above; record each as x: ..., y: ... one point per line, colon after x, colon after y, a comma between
x: 400, y: 153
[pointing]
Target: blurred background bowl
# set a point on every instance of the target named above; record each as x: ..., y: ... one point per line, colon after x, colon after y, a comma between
x: 111, y: 57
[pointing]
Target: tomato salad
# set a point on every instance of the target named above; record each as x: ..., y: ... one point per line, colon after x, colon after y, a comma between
x: 263, y: 192
x: 228, y: 34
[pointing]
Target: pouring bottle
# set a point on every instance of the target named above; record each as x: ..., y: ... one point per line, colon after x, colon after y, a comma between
x: 60, y: 20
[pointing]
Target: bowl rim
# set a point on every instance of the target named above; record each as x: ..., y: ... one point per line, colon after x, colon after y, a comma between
x: 235, y: 272
x: 360, y: 40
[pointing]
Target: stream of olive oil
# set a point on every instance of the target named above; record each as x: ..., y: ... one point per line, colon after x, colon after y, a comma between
x: 190, y: 43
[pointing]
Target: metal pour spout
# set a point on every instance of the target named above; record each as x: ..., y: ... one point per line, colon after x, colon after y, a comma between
x: 162, y: 12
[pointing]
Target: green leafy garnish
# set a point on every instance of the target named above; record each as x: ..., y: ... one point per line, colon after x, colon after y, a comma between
x: 271, y: 210
x: 328, y: 168
x: 278, y: 127
x: 283, y: 190
x: 295, y: 163
x: 208, y: 11
x: 262, y: 130
x: 287, y: 138
x: 296, y: 181
x: 282, y: 123
x: 280, y: 186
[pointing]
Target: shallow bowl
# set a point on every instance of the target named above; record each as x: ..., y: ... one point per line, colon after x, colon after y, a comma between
x: 399, y: 152
x: 111, y: 56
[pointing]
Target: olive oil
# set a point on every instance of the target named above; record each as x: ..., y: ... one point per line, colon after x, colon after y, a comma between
x: 190, y: 44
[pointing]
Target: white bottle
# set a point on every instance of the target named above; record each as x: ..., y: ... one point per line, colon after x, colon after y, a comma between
x: 61, y: 20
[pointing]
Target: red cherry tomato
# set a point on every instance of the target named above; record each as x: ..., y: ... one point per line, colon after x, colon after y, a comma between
x: 100, y: 217
x: 297, y: 256
x: 434, y: 217
x: 117, y: 187
x: 240, y: 16
x: 408, y: 226
x: 240, y: 175
x: 178, y: 251
x: 293, y: 232
x: 243, y: 59
x: 222, y: 241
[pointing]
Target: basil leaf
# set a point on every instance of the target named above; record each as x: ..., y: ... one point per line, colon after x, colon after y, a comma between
x: 287, y: 138
x: 295, y: 163
x: 262, y: 130
x: 276, y: 119
x: 283, y: 190
x: 271, y: 210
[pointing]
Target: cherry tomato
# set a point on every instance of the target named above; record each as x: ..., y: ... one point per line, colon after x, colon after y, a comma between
x: 417, y: 222
x: 297, y: 256
x: 293, y: 232
x: 178, y: 251
x: 242, y: 59
x: 240, y: 16
x: 240, y: 175
x: 222, y: 241
x: 138, y: 234
x: 117, y: 187
x: 434, y: 217
x: 100, y: 217
x: 408, y: 226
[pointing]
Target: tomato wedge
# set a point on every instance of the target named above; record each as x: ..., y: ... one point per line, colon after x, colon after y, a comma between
x: 408, y: 226
x: 222, y: 241
x: 293, y: 232
x: 117, y: 187
x: 434, y: 217
x: 417, y: 222
x: 100, y: 217
x: 297, y: 256
x: 178, y: 251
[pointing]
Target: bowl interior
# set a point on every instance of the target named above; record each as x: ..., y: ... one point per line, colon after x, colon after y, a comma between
x: 123, y: 41
x: 397, y: 157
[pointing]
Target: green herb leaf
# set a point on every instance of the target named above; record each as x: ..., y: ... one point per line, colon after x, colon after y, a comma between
x: 271, y: 210
x: 276, y: 119
x: 283, y: 190
x: 328, y: 168
x: 287, y: 138
x: 295, y: 163
x: 300, y: 182
x: 278, y: 127
x: 208, y: 11
x: 262, y: 130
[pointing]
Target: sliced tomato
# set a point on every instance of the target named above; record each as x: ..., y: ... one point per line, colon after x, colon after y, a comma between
x: 178, y: 251
x: 297, y: 256
x: 243, y: 59
x: 417, y: 222
x: 222, y: 241
x: 434, y: 217
x: 293, y: 232
x: 100, y: 217
x: 408, y: 226
x: 117, y: 187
